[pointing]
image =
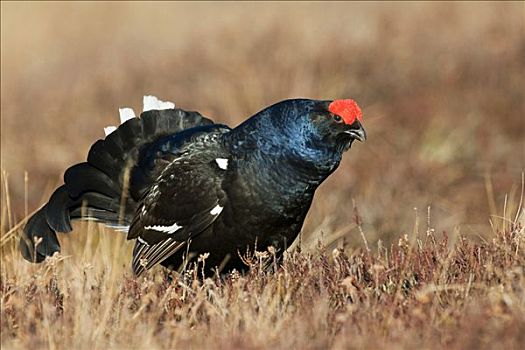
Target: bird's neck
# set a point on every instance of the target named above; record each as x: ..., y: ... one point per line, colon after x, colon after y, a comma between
x: 277, y: 150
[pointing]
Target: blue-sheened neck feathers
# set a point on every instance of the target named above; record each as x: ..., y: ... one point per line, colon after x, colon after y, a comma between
x: 285, y: 131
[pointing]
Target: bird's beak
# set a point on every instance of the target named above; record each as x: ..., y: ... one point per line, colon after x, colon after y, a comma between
x: 358, y: 134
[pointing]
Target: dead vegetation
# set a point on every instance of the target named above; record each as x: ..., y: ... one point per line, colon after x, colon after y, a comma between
x: 422, y: 292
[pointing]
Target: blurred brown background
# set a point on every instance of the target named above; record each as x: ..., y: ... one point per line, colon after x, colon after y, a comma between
x: 441, y: 85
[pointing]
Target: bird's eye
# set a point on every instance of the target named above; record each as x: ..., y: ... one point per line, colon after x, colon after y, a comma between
x: 337, y: 118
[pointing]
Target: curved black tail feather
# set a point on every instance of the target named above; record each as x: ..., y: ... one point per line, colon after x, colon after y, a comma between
x: 100, y: 188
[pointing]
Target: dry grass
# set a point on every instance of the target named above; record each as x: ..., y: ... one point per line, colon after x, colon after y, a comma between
x: 422, y: 292
x: 442, y: 88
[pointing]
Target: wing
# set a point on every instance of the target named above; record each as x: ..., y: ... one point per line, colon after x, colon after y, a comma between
x: 186, y: 198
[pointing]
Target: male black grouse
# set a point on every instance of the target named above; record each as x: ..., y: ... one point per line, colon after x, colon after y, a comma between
x: 178, y: 183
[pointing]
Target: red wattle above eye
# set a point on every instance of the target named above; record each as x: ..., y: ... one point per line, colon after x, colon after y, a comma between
x: 346, y: 109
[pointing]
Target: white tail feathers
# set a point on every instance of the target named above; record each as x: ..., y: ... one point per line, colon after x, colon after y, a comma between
x: 109, y: 129
x: 150, y: 102
x: 126, y: 114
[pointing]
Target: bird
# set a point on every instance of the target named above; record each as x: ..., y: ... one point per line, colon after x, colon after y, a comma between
x: 183, y: 186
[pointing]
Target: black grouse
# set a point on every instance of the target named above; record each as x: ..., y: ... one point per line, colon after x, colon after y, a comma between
x: 181, y: 185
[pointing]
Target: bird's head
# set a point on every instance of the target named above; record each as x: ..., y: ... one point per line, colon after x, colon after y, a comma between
x: 315, y: 131
x: 323, y: 127
x: 318, y: 132
x: 337, y: 123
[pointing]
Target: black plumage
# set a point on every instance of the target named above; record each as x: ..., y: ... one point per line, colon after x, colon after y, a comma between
x: 178, y: 183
